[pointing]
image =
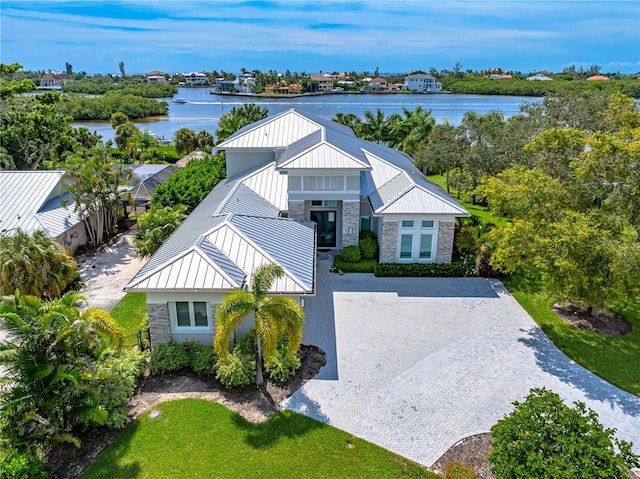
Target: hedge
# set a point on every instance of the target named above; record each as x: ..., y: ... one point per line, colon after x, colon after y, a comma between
x: 425, y: 269
x: 363, y: 266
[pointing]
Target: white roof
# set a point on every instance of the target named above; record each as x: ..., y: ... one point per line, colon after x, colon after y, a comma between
x: 32, y: 200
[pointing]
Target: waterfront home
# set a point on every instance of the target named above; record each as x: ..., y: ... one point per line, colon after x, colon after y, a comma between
x: 195, y: 79
x: 283, y: 89
x: 54, y: 81
x: 295, y: 183
x: 421, y: 82
x: 37, y: 200
x: 156, y: 77
x: 377, y: 85
x: 325, y: 81
x: 539, y: 77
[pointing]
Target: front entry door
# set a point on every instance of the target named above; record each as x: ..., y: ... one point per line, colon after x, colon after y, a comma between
x: 326, y: 228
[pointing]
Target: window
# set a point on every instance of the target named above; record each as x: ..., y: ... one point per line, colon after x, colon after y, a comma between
x: 425, y: 246
x: 191, y: 314
x: 407, y: 224
x: 428, y: 223
x: 365, y: 223
x: 406, y: 246
x: 316, y: 202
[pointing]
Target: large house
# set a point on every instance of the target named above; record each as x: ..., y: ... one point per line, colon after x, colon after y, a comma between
x: 195, y: 78
x: 38, y: 200
x: 422, y: 82
x: 325, y: 81
x: 54, y: 81
x: 296, y: 183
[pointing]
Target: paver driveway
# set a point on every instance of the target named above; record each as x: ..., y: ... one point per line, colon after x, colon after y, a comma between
x: 417, y: 364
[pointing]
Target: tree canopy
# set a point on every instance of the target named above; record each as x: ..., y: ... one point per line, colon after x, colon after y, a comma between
x: 238, y: 118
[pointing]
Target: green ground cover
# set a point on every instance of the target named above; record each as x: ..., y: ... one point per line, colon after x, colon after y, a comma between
x: 481, y: 211
x: 613, y: 358
x: 196, y: 438
x: 131, y: 314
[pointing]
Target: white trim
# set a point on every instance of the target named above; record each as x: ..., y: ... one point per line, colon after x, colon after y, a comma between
x: 173, y: 318
x: 416, y: 232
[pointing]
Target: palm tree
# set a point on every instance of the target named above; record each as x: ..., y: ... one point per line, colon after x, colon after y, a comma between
x: 275, y: 317
x: 49, y: 362
x: 238, y: 118
x: 185, y: 140
x: 34, y: 265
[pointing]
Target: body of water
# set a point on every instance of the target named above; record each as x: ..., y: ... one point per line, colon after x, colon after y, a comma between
x: 203, y: 110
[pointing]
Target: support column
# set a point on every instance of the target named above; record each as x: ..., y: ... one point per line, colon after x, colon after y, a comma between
x: 350, y: 223
x: 296, y: 210
x: 389, y: 241
x: 446, y: 232
x: 159, y: 324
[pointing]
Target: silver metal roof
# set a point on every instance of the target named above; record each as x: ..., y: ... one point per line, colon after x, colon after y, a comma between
x: 32, y: 200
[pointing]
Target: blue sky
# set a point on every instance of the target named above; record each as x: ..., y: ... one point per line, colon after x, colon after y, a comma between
x: 323, y: 35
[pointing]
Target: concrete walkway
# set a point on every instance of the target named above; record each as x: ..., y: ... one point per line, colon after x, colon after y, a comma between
x: 416, y: 364
x: 109, y: 270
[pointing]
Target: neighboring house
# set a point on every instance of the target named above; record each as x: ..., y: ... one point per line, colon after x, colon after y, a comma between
x: 598, y: 78
x: 156, y: 77
x: 195, y: 78
x: 497, y: 76
x: 540, y: 77
x: 325, y: 81
x: 54, y: 81
x: 296, y: 182
x: 33, y: 200
x: 283, y: 89
x: 225, y: 86
x: 377, y: 85
x: 422, y: 82
x: 144, y: 181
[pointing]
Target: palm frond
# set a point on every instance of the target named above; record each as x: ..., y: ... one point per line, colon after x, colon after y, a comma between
x: 234, y: 307
x: 288, y: 314
x: 263, y: 278
x: 268, y: 332
x: 105, y: 326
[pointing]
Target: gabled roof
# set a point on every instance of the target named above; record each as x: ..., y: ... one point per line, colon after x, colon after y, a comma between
x: 146, y: 178
x: 32, y: 200
x: 223, y: 247
x: 279, y: 131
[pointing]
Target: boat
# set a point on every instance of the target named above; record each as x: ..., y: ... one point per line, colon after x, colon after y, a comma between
x: 179, y: 100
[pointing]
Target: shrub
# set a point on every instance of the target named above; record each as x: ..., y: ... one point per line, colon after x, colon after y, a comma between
x: 238, y: 371
x: 318, y: 358
x: 458, y: 268
x: 455, y: 470
x: 22, y: 465
x: 169, y: 357
x: 204, y: 362
x: 543, y: 437
x: 369, y: 248
x: 116, y: 379
x: 247, y: 344
x: 363, y: 266
x: 351, y: 254
x: 366, y: 234
x: 281, y: 367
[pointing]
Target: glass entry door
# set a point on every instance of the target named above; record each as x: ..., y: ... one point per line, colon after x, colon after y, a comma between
x: 326, y: 228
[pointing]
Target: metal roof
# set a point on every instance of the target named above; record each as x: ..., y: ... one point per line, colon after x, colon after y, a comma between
x: 32, y: 200
x: 146, y: 178
x: 418, y: 200
x: 324, y: 155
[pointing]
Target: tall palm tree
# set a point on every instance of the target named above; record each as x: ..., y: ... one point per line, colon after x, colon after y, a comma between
x: 34, y: 265
x: 275, y: 316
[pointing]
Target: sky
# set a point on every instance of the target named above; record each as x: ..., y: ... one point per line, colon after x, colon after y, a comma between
x: 323, y: 35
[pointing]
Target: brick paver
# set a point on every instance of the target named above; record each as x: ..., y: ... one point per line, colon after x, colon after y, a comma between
x: 416, y: 364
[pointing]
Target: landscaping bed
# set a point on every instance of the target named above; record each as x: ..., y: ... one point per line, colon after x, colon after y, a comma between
x: 255, y: 404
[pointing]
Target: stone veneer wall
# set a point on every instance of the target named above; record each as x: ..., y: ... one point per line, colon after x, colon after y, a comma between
x: 445, y: 242
x: 388, y: 242
x: 350, y: 219
x: 296, y: 210
x: 159, y: 323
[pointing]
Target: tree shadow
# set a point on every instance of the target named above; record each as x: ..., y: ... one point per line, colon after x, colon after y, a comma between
x: 553, y: 361
x: 282, y: 425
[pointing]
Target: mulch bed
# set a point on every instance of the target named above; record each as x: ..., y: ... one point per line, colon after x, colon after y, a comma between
x: 256, y: 404
x: 606, y: 322
x: 473, y: 452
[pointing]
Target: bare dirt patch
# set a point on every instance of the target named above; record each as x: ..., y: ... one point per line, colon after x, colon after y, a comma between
x: 256, y: 404
x: 606, y: 322
x: 473, y: 452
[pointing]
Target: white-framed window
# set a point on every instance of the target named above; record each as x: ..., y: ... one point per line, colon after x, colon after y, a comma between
x: 417, y: 240
x: 193, y: 315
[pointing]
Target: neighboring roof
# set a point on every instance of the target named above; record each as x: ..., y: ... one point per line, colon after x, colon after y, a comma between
x: 378, y: 80
x: 598, y: 78
x: 32, y: 200
x: 418, y: 76
x: 196, y: 154
x: 146, y: 178
x: 539, y: 76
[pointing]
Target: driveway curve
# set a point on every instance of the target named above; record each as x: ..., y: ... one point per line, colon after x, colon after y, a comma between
x: 417, y: 364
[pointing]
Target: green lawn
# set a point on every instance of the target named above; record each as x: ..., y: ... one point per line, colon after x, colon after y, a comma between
x: 131, y: 314
x: 195, y: 438
x: 613, y: 358
x: 481, y: 211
